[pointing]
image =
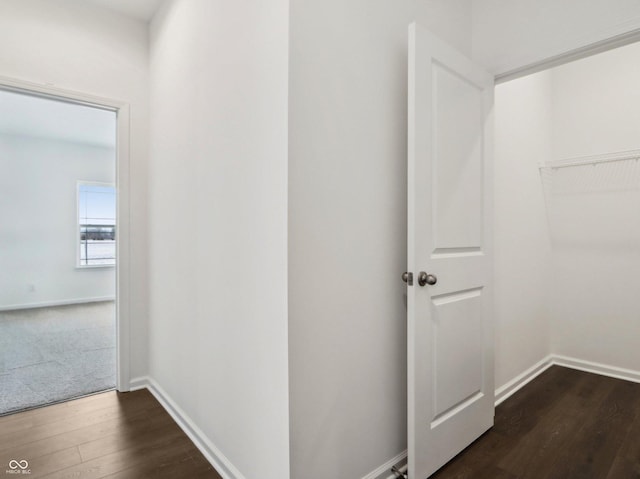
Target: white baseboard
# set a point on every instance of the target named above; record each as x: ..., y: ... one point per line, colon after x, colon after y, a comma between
x: 384, y: 471
x: 60, y: 302
x: 135, y: 384
x: 534, y: 371
x: 597, y: 368
x: 517, y: 383
x: 218, y: 460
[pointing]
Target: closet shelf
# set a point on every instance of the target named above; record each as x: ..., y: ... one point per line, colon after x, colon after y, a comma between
x: 591, y: 160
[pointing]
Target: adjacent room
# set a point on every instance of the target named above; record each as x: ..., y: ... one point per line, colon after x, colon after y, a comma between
x: 57, y: 230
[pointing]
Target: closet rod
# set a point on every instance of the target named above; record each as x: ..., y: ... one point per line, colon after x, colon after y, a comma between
x: 592, y: 160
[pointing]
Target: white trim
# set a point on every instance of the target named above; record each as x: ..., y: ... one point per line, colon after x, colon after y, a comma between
x: 94, y: 266
x: 123, y: 239
x: 60, y: 94
x: 517, y: 383
x: 597, y: 368
x: 123, y: 242
x: 630, y: 33
x: 592, y: 159
x: 522, y: 379
x: 217, y: 459
x: 383, y: 472
x: 59, y: 302
x: 141, y: 382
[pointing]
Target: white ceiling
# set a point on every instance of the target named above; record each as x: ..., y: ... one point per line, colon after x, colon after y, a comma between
x: 26, y: 115
x: 138, y: 9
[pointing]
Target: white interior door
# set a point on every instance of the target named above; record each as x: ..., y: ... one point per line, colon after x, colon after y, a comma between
x: 450, y: 344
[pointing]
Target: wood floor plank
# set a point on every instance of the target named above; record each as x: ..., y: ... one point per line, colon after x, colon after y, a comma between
x: 540, y: 450
x: 66, y: 423
x: 170, y: 449
x: 479, y: 461
x: 43, y: 465
x: 566, y: 424
x: 13, y: 430
x: 76, y: 437
x: 627, y: 463
x: 115, y: 435
x: 521, y: 412
x: 147, y: 430
x: 622, y: 468
x: 13, y: 423
x: 192, y: 461
x: 596, y: 446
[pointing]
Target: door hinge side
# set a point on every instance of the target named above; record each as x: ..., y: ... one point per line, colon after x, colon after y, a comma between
x: 407, y: 277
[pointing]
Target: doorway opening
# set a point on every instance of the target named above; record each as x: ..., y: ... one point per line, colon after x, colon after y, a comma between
x: 60, y: 327
x: 567, y: 191
x: 567, y: 235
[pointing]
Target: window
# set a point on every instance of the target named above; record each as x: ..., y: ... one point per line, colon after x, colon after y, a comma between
x: 96, y: 224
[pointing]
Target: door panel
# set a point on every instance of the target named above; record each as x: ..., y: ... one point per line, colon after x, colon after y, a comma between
x: 458, y: 370
x: 450, y: 357
x: 457, y: 155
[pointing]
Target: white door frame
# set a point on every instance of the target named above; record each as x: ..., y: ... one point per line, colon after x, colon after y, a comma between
x: 585, y: 49
x: 123, y: 187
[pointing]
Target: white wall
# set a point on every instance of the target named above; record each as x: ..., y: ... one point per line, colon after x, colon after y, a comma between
x: 218, y: 224
x: 596, y: 104
x: 523, y: 138
x: 347, y: 228
x: 38, y: 221
x: 594, y: 216
x: 511, y: 34
x: 347, y: 236
x: 450, y: 20
x: 75, y: 46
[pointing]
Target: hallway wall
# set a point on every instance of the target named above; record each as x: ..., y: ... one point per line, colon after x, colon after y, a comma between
x: 218, y: 223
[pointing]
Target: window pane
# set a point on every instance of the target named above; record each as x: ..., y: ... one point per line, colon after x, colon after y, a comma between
x: 97, y: 220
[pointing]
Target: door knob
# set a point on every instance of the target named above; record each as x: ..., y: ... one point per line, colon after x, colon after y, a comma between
x: 424, y: 278
x: 407, y: 278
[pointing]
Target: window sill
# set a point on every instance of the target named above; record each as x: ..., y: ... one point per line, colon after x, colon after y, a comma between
x: 94, y: 266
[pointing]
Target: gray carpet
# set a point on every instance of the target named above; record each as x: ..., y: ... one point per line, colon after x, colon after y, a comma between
x: 53, y: 354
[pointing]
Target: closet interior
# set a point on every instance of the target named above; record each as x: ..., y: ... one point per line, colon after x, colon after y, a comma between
x: 567, y: 202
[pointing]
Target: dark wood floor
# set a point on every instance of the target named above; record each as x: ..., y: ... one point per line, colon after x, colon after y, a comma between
x: 120, y: 436
x: 565, y: 424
